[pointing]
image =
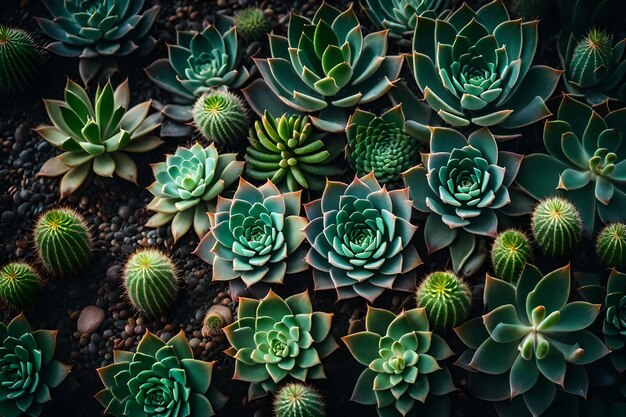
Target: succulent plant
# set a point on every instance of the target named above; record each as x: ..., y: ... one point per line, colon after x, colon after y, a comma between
x: 475, y: 68
x: 255, y: 237
x: 556, y: 226
x: 446, y: 299
x: 150, y: 281
x: 19, y: 284
x: 96, y: 136
x: 614, y: 325
x: 186, y: 186
x: 298, y: 400
x: 322, y: 68
x: 361, y: 239
x: 252, y: 23
x: 92, y: 29
x: 217, y: 317
x: 530, y: 341
x: 611, y: 245
x: 275, y: 338
x: 19, y: 59
x: 463, y: 185
x: 402, y: 358
x: 160, y: 379
x: 585, y: 163
x: 27, y: 370
x: 62, y: 241
x: 509, y: 253
x: 288, y: 151
x: 381, y: 145
x: 221, y: 117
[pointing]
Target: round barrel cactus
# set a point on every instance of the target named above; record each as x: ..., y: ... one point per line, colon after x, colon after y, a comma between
x: 252, y: 23
x: 446, y: 299
x: 556, y: 226
x: 611, y: 245
x: 298, y: 400
x: 509, y: 253
x: 19, y: 59
x: 221, y: 116
x: 19, y: 284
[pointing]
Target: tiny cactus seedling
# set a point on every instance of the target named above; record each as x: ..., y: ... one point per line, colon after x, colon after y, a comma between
x: 221, y: 117
x: 611, y: 245
x: 298, y: 400
x: 19, y: 59
x: 19, y: 284
x: 252, y: 24
x: 150, y: 281
x: 557, y: 227
x: 218, y: 317
x: 62, y: 241
x: 509, y: 253
x: 446, y: 298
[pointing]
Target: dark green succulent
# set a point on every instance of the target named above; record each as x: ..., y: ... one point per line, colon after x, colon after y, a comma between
x: 614, y: 325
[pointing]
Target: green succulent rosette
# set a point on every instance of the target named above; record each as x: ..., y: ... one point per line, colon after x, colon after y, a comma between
x: 255, y: 237
x: 463, y: 185
x: 402, y: 357
x: 274, y: 339
x: 323, y: 67
x: 531, y: 341
x: 27, y: 369
x: 186, y: 186
x: 614, y: 325
x: 160, y: 379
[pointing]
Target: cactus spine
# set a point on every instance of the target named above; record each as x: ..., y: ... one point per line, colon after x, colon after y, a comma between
x: 611, y: 245
x: 557, y: 227
x: 509, y: 253
x: 298, y: 400
x: 221, y: 117
x: 445, y: 297
x: 19, y: 284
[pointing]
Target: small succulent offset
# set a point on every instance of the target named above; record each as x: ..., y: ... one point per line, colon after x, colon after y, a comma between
x: 19, y: 284
x: 360, y: 235
x: 255, y: 237
x: 446, y: 299
x: 19, y: 59
x: 530, y: 341
x: 288, y: 151
x: 463, y: 185
x: 222, y: 117
x: 586, y: 162
x: 186, y: 186
x: 509, y: 253
x: 97, y: 134
x: 275, y: 338
x: 27, y: 370
x: 217, y: 317
x: 160, y: 379
x: 252, y: 23
x: 93, y: 29
x: 614, y: 325
x: 611, y: 245
x: 381, y: 145
x: 402, y: 358
x: 556, y: 226
x: 298, y: 400
x: 323, y: 67
x: 474, y: 68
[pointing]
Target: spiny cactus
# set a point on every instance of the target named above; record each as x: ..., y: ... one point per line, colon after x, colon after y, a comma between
x: 509, y: 253
x: 218, y: 317
x: 62, y: 241
x: 594, y: 52
x: 221, y: 116
x: 557, y: 227
x: 19, y: 284
x: 150, y: 281
x: 611, y: 245
x: 298, y: 400
x: 19, y: 59
x: 252, y: 24
x: 446, y: 299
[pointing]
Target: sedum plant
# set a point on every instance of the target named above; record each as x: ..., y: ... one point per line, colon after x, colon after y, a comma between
x: 186, y: 186
x: 27, y: 368
x: 614, y: 324
x: 530, y: 341
x: 611, y: 245
x: 19, y: 59
x: 288, y: 151
x: 322, y: 68
x: 463, y: 186
x: 556, y: 227
x: 360, y: 236
x: 585, y: 163
x: 275, y: 338
x: 255, y: 237
x: 96, y: 135
x: 222, y: 117
x: 446, y: 299
x: 474, y: 68
x: 509, y: 253
x: 298, y: 400
x: 402, y: 358
x: 252, y: 23
x: 160, y: 379
x: 19, y: 284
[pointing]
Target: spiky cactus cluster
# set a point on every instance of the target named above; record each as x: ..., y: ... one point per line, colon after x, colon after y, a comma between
x: 594, y: 51
x: 445, y: 297
x: 19, y: 59
x: 62, y: 241
x: 19, y: 284
x: 221, y: 116
x: 298, y: 400
x: 557, y: 226
x: 509, y: 253
x: 611, y: 245
x: 151, y: 281
x: 252, y: 23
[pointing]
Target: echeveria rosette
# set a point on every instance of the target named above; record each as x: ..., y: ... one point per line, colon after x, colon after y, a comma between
x: 27, y: 369
x: 274, y: 339
x: 586, y: 163
x: 186, y: 186
x: 323, y: 67
x: 360, y: 236
x: 464, y: 185
x: 474, y: 68
x: 402, y: 357
x: 530, y: 341
x: 255, y: 237
x: 614, y: 325
x: 160, y: 379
